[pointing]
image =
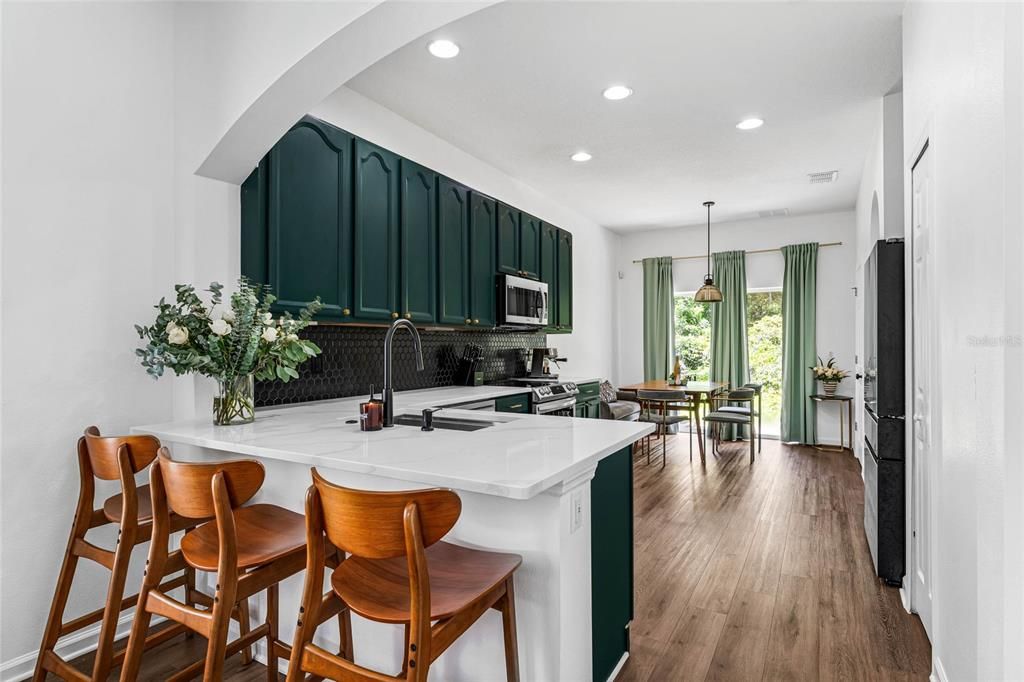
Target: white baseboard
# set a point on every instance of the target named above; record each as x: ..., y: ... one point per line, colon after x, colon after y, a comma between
x: 618, y: 667
x: 68, y: 647
x: 938, y: 672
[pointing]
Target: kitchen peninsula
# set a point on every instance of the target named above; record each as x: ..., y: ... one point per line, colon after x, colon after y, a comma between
x: 525, y: 484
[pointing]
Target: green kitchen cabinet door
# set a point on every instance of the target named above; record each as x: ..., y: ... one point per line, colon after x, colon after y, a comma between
x: 453, y: 253
x: 375, y: 232
x: 507, y: 236
x: 529, y: 246
x: 418, y: 243
x: 564, y: 281
x: 513, y: 403
x: 611, y: 560
x: 255, y: 231
x: 549, y: 270
x: 483, y: 213
x: 309, y: 206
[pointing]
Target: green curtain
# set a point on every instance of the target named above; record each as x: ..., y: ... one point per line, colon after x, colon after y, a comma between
x: 729, y: 323
x: 799, y: 287
x: 659, y: 306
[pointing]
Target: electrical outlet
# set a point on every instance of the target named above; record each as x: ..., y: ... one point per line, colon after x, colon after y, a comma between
x: 576, y: 511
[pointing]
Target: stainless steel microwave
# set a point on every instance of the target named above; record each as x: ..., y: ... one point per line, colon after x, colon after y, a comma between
x: 522, y: 303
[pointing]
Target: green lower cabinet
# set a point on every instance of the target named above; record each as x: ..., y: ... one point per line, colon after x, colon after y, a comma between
x: 590, y: 398
x: 611, y: 557
x: 513, y: 403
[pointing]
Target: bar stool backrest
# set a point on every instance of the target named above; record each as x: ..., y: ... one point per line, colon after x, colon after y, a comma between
x: 103, y: 453
x: 384, y: 525
x: 189, y: 486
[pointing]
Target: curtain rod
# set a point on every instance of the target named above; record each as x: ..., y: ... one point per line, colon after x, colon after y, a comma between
x: 704, y: 255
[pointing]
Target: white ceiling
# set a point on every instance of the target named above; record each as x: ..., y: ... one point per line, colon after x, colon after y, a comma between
x: 525, y: 93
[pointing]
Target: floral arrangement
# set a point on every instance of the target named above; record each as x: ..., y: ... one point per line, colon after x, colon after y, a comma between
x: 827, y: 371
x: 232, y: 342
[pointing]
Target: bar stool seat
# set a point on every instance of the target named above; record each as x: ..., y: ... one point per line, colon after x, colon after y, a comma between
x: 265, y: 533
x: 113, y: 506
x: 378, y: 589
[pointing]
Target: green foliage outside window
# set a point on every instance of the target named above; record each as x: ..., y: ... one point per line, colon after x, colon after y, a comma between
x: 764, y: 346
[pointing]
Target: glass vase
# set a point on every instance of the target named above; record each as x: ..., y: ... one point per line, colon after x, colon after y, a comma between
x: 234, y: 402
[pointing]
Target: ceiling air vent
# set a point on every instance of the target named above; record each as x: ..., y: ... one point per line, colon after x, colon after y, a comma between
x: 773, y: 213
x: 823, y: 177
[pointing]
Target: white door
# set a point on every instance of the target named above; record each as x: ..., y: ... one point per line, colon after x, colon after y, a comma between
x: 923, y: 394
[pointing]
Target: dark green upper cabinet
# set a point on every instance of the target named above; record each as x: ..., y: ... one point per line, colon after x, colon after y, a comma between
x: 529, y: 246
x: 549, y: 269
x: 483, y: 214
x: 375, y: 233
x: 377, y: 236
x: 453, y: 253
x: 564, y: 281
x: 309, y: 218
x: 508, y: 239
x: 417, y: 242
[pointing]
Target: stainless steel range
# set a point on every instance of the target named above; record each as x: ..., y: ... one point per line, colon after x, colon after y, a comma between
x: 550, y: 396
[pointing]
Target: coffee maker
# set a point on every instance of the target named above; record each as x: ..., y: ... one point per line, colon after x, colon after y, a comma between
x: 540, y: 360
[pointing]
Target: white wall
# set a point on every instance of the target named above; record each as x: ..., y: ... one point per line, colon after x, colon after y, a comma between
x: 963, y: 81
x: 590, y: 347
x: 88, y: 225
x: 835, y: 278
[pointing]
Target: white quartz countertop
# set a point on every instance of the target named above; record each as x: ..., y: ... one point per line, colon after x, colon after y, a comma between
x: 519, y: 457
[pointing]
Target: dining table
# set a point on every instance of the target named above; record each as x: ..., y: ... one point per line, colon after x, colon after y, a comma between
x: 699, y: 391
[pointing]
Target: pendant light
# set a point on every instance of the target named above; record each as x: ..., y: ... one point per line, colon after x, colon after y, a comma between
x: 708, y: 293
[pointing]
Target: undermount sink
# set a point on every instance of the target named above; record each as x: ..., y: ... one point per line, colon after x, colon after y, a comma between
x: 446, y: 423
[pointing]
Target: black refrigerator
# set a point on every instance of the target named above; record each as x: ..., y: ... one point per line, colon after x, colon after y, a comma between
x: 884, y: 404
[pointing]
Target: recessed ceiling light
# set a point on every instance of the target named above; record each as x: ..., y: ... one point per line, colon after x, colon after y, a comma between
x: 581, y: 156
x: 615, y: 92
x: 750, y: 123
x: 443, y: 49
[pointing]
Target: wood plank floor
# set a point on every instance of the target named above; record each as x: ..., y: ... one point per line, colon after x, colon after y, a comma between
x: 742, y: 573
x: 762, y: 572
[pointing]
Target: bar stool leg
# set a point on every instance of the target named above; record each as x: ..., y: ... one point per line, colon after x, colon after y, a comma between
x: 60, y: 599
x: 508, y: 622
x: 218, y: 642
x: 243, y: 628
x: 272, y: 612
x: 115, y: 592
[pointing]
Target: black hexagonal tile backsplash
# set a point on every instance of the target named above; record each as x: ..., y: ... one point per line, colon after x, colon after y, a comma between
x: 353, y: 359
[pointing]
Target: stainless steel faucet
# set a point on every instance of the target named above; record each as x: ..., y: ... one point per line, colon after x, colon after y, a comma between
x: 389, y: 392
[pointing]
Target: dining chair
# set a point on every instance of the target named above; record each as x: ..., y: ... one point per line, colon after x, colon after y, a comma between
x: 663, y: 418
x: 747, y: 410
x: 721, y: 416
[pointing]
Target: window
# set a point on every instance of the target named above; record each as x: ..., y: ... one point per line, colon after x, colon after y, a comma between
x: 764, y: 346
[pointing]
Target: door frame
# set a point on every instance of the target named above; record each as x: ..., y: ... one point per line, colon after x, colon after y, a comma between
x: 925, y: 143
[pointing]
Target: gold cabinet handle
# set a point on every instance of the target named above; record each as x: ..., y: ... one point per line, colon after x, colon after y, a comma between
x: 469, y: 321
x: 346, y: 311
x: 394, y: 316
x: 514, y: 407
x: 408, y: 316
x: 476, y: 321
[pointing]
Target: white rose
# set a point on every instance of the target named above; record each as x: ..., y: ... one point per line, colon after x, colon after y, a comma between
x: 292, y: 337
x: 228, y: 316
x: 268, y: 318
x: 270, y: 334
x: 220, y: 327
x: 176, y: 335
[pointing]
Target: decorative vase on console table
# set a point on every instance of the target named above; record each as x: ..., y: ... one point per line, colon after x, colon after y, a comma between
x: 233, y: 343
x: 829, y: 375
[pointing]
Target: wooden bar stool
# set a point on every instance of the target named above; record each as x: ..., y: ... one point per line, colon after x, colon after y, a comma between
x: 398, y: 572
x: 250, y: 548
x: 112, y: 458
